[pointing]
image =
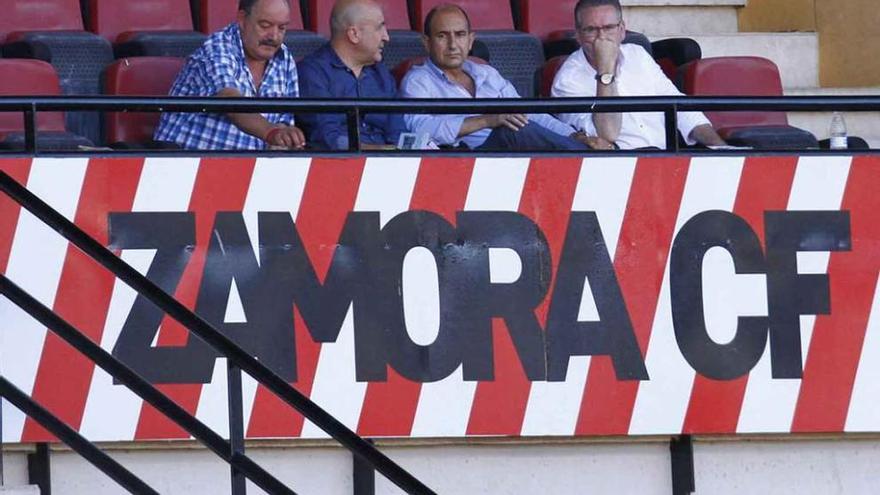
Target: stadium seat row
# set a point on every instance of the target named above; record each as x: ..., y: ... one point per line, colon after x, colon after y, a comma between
x: 153, y: 76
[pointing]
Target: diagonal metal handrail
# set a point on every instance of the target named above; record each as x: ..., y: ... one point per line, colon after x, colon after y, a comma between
x: 117, y: 369
x: 82, y: 446
x: 212, y: 337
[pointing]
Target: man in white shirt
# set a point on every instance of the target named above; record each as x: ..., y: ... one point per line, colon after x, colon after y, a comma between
x: 606, y: 67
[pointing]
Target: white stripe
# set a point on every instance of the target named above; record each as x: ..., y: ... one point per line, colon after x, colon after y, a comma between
x: 277, y: 185
x: 111, y: 411
x: 662, y: 401
x: 603, y: 187
x: 769, y: 404
x: 864, y: 408
x: 387, y: 187
x: 36, y: 260
x: 445, y: 406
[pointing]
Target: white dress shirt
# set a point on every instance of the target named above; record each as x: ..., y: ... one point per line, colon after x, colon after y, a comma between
x: 637, y: 75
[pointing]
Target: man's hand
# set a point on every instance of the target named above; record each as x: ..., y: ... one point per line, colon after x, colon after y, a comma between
x: 513, y: 121
x: 606, y: 51
x: 593, y: 142
x: 289, y: 137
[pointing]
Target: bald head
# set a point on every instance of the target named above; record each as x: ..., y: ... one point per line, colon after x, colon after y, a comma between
x: 346, y: 14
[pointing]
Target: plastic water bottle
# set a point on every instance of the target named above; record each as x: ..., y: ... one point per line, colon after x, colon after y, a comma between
x: 837, y: 131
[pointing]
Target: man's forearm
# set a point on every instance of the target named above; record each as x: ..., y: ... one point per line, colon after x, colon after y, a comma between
x: 251, y: 123
x: 473, y: 124
x: 705, y: 134
x: 607, y: 124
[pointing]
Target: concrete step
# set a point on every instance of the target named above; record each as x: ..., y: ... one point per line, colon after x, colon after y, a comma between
x: 680, y: 19
x: 863, y: 124
x: 20, y: 490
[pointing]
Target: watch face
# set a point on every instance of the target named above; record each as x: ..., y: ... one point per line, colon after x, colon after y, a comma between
x: 606, y: 78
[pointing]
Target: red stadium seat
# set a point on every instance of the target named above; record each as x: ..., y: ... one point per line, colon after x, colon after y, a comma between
x: 744, y: 76
x: 137, y: 76
x: 40, y: 15
x: 145, y: 27
x: 484, y: 14
x: 547, y: 73
x: 214, y: 15
x: 52, y: 31
x: 25, y: 77
x: 546, y: 19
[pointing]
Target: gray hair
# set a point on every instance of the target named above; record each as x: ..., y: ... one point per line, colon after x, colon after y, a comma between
x: 248, y: 5
x: 586, y: 4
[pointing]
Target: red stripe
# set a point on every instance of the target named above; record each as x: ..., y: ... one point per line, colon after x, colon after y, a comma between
x: 389, y: 407
x: 221, y: 185
x: 764, y: 185
x: 836, y: 346
x: 84, y: 291
x: 640, y: 261
x: 19, y: 169
x: 329, y: 195
x: 500, y: 405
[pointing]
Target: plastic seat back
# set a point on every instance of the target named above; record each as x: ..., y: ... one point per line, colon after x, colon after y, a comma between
x: 111, y: 18
x: 542, y: 18
x: 137, y: 76
x: 484, y: 14
x: 396, y: 15
x: 214, y: 15
x: 735, y: 76
x: 40, y: 15
x: 28, y: 77
x: 546, y: 74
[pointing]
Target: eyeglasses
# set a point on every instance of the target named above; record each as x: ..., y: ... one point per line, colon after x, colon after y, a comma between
x: 593, y: 31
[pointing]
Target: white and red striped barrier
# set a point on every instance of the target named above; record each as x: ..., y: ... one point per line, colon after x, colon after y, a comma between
x: 641, y: 205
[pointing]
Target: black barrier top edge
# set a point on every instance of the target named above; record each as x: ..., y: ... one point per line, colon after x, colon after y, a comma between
x: 445, y: 106
x: 146, y: 153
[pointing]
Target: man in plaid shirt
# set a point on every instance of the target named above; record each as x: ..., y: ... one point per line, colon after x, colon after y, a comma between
x: 247, y: 58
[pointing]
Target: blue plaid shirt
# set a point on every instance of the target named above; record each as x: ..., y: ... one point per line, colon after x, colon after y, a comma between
x: 220, y: 64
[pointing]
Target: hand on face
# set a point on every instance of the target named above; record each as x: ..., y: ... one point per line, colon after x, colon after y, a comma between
x: 606, y: 50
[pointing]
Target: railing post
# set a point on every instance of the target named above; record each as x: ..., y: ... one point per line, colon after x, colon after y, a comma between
x: 681, y: 450
x: 39, y: 469
x: 30, y: 129
x: 236, y: 424
x: 363, y: 475
x: 671, y: 129
x: 2, y: 479
x: 354, y: 129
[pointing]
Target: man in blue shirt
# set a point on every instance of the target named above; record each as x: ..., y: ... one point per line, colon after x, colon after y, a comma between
x: 350, y: 66
x: 247, y: 58
x: 449, y: 74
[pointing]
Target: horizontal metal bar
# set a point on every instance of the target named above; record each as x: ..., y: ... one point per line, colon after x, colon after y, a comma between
x: 117, y: 472
x: 211, y: 336
x: 138, y: 385
x: 446, y: 106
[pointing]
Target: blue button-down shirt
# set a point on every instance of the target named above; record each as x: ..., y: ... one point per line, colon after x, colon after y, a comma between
x: 429, y: 81
x: 220, y: 64
x: 324, y: 75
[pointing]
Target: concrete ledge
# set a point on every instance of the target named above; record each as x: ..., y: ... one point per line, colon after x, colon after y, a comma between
x: 20, y: 490
x: 670, y: 21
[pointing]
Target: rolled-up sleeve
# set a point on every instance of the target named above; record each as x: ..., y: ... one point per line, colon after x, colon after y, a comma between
x: 443, y: 129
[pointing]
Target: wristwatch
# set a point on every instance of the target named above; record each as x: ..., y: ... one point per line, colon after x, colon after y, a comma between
x: 605, y: 79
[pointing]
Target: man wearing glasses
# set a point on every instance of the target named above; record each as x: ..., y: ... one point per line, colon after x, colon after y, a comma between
x: 606, y: 67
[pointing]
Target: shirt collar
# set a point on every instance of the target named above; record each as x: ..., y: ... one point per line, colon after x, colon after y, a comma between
x: 471, y: 68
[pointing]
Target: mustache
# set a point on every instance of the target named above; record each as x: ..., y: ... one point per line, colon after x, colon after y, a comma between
x: 271, y: 43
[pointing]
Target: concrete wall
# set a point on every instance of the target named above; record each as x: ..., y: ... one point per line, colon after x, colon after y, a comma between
x: 849, y: 34
x: 757, y: 465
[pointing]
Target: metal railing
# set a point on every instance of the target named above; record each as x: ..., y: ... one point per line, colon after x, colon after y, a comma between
x: 237, y: 360
x: 355, y: 108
